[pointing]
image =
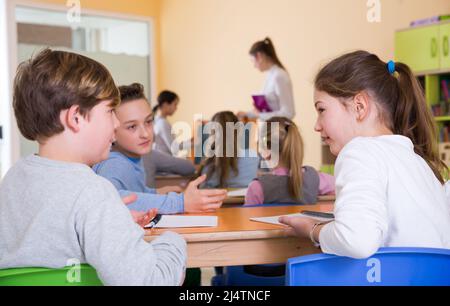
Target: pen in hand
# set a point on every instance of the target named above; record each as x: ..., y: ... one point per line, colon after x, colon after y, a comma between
x: 154, y: 221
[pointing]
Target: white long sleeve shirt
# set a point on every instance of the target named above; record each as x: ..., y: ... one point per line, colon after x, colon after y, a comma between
x: 279, y: 94
x: 386, y: 196
x: 163, y: 135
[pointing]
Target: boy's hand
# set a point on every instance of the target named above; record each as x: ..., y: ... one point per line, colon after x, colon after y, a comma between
x: 298, y: 226
x: 167, y: 189
x: 141, y: 218
x: 207, y: 200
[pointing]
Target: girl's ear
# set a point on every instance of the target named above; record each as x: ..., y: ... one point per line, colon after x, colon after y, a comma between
x: 362, y: 105
x: 72, y: 119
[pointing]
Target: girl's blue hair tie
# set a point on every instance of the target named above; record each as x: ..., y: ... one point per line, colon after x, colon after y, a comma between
x: 391, y: 67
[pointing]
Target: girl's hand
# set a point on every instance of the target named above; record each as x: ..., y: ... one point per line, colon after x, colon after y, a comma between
x: 298, y: 226
x: 167, y: 189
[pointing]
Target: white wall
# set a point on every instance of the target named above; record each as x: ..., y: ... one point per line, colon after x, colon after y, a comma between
x: 9, y: 145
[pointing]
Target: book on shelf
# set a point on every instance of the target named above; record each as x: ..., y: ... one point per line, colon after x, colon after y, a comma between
x: 443, y: 107
x: 444, y: 133
x: 429, y: 20
x: 444, y: 90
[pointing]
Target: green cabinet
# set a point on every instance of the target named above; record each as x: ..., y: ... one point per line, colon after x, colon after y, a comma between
x: 418, y: 48
x: 444, y: 33
x: 424, y: 49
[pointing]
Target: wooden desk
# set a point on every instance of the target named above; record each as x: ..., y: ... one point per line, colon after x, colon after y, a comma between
x: 239, y: 201
x: 239, y: 241
x: 234, y: 201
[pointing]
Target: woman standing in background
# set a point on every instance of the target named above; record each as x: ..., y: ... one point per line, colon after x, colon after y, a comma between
x: 277, y: 89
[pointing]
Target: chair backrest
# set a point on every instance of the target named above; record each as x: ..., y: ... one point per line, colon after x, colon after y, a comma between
x: 82, y: 275
x: 388, y: 267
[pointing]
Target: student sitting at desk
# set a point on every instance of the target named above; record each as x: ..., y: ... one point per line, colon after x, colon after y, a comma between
x: 389, y: 182
x: 164, y: 140
x: 290, y: 181
x: 236, y: 171
x: 124, y: 166
x: 53, y: 207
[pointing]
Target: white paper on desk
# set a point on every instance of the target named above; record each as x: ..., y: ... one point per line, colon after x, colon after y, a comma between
x: 187, y: 221
x: 274, y: 219
x: 237, y: 193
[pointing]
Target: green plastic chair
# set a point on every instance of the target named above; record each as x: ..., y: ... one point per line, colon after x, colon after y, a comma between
x: 50, y: 277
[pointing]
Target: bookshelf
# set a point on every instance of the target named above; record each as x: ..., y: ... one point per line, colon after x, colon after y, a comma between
x: 436, y: 86
x: 426, y: 50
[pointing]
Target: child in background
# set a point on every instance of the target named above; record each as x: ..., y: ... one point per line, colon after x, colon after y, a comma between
x: 157, y: 163
x: 236, y: 171
x: 164, y: 141
x: 53, y: 207
x: 124, y: 168
x: 389, y: 182
x: 290, y: 181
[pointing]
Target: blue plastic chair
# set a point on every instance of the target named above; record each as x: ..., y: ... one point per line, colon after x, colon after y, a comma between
x: 388, y: 267
x: 237, y: 276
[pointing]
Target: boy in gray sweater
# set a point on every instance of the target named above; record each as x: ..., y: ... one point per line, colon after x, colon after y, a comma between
x: 53, y: 208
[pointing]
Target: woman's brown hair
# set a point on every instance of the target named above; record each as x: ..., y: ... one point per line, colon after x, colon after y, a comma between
x: 267, y: 48
x: 290, y: 144
x: 398, y: 95
x: 222, y: 165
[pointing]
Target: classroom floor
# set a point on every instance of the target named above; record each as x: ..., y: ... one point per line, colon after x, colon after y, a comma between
x: 207, y: 274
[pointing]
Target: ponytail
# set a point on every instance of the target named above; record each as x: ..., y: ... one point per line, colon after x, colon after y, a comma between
x: 291, y: 153
x: 267, y: 48
x: 413, y: 119
x: 166, y: 96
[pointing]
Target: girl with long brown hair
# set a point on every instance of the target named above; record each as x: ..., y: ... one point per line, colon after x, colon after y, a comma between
x: 290, y: 181
x: 235, y: 170
x: 389, y: 178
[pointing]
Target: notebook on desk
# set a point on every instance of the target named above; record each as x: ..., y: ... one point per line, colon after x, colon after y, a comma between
x: 167, y: 221
x: 274, y: 219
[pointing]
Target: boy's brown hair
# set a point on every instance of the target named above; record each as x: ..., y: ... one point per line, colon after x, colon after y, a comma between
x: 132, y: 92
x: 53, y: 81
